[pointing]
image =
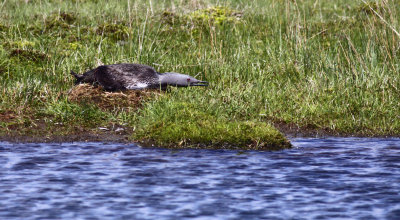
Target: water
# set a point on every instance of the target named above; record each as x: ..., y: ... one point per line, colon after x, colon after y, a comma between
x: 334, y: 178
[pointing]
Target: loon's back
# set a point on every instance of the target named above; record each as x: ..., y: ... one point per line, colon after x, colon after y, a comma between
x: 121, y: 76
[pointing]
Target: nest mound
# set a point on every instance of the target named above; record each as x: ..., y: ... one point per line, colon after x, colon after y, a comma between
x: 88, y: 94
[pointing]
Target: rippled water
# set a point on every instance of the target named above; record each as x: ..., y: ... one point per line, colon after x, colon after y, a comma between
x: 334, y: 178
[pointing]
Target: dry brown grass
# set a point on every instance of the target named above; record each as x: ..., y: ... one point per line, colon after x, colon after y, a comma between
x: 88, y: 94
x: 7, y: 116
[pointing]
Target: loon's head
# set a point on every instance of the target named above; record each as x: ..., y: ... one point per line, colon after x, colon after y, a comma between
x: 180, y: 80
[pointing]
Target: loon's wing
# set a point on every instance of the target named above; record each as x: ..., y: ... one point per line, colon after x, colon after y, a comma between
x: 108, y: 79
x: 126, y: 76
x: 135, y: 76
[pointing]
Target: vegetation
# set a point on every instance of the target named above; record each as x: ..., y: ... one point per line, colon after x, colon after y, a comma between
x: 322, y: 65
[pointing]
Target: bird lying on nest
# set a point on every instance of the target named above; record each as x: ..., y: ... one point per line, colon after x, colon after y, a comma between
x: 125, y: 76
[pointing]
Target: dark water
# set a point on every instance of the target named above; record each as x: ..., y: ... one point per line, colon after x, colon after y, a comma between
x: 337, y: 178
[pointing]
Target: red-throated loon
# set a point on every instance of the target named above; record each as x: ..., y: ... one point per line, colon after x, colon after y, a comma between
x: 124, y: 76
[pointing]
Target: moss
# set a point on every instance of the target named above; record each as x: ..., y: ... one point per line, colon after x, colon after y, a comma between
x: 74, y: 46
x: 60, y: 20
x: 170, y: 18
x: 22, y: 44
x: 113, y: 30
x: 24, y: 50
x: 3, y: 27
x: 370, y: 7
x: 66, y: 48
x: 186, y: 126
x: 216, y: 15
x: 28, y: 54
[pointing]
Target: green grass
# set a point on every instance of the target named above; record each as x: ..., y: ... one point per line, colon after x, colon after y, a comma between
x: 329, y: 65
x: 181, y: 123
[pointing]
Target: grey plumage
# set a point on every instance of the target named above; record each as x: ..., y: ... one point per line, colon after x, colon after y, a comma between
x: 134, y: 76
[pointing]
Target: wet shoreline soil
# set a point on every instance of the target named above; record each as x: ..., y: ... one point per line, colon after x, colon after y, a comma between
x: 120, y: 134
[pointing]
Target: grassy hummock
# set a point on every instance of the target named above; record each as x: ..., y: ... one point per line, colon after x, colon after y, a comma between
x: 176, y: 124
x: 327, y: 67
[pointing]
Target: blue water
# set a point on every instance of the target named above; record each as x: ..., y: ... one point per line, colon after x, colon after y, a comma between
x: 334, y: 178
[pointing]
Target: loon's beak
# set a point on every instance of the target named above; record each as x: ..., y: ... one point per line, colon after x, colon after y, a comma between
x: 199, y: 83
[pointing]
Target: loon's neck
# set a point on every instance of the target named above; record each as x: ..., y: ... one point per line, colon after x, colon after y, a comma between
x: 172, y: 79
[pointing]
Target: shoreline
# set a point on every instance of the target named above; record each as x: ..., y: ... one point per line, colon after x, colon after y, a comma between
x: 108, y: 135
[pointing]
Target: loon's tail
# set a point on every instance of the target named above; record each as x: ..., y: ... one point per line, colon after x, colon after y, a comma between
x: 78, y: 77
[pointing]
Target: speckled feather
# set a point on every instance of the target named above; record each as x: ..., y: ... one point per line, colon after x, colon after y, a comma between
x: 126, y: 76
x: 121, y: 76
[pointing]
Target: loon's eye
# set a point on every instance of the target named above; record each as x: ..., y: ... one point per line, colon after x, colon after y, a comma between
x: 188, y: 79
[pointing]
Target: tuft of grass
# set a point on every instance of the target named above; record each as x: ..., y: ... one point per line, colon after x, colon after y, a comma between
x: 33, y: 55
x: 183, y: 124
x: 65, y: 112
x: 59, y: 19
x: 370, y: 6
x: 115, y: 31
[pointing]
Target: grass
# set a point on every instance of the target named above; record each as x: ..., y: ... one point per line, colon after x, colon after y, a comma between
x: 186, y: 124
x: 325, y: 65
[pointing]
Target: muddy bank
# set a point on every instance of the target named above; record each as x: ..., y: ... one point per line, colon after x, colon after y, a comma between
x: 122, y: 134
x: 105, y: 136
